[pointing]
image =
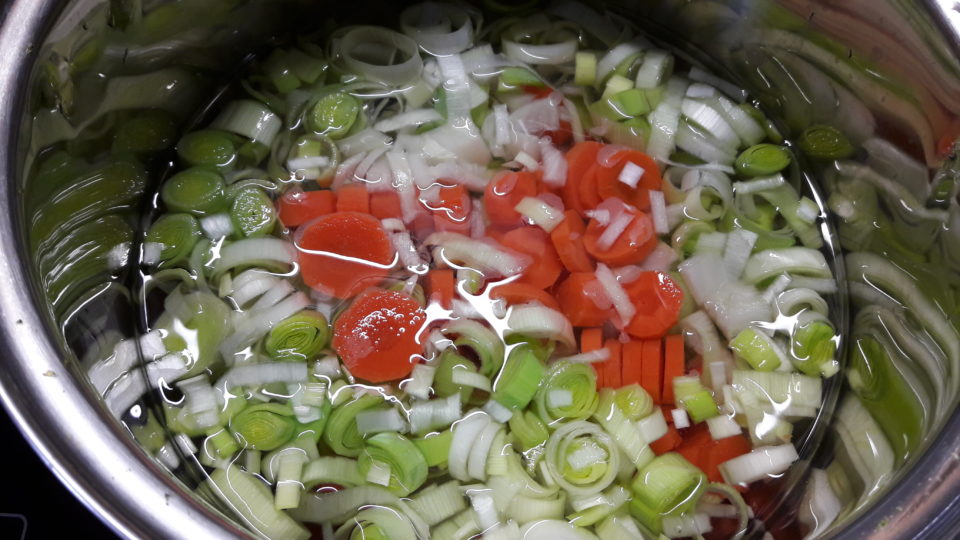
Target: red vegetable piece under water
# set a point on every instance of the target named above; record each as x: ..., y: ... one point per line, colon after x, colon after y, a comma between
x: 657, y: 299
x: 343, y: 253
x: 376, y: 337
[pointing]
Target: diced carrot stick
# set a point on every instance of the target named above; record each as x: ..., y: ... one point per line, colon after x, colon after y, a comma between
x: 576, y: 295
x: 533, y: 241
x: 673, y: 364
x: 700, y: 449
x: 298, y: 207
x: 611, y: 367
x: 668, y: 442
x: 591, y: 339
x: 440, y: 287
x: 631, y: 370
x: 385, y: 204
x: 567, y: 238
x: 652, y: 368
x: 353, y: 198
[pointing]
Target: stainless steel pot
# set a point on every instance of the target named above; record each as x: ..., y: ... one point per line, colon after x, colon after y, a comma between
x: 41, y: 382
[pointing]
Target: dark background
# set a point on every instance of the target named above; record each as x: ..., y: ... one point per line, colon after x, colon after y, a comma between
x: 35, y: 496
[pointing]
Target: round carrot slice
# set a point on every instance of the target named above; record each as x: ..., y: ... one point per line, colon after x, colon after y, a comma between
x: 657, y: 299
x: 579, y: 297
x: 343, y: 253
x: 533, y: 241
x: 376, y: 337
x: 567, y: 238
x: 503, y: 194
x: 579, y: 160
x: 608, y: 182
x: 632, y: 245
x: 587, y: 188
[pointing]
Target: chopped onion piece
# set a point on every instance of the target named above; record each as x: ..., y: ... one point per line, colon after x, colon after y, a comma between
x: 463, y: 377
x: 540, y: 213
x: 497, y: 411
x: 613, y: 231
x: 722, y: 426
x: 559, y: 398
x: 420, y: 382
x: 658, y: 210
x: 631, y: 174
x: 680, y: 418
x: 527, y: 161
x: 616, y: 293
x: 216, y: 226
x: 552, y: 54
x: 686, y: 526
x: 653, y: 426
x: 591, y: 357
x: 758, y: 464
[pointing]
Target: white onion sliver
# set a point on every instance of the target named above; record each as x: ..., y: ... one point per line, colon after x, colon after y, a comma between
x: 613, y: 231
x: 380, y: 421
x: 653, y: 426
x: 631, y: 174
x: 722, y: 426
x: 758, y: 464
x: 680, y: 418
x: 658, y: 211
x: 616, y: 293
x: 598, y: 355
x: 540, y: 213
x: 465, y: 433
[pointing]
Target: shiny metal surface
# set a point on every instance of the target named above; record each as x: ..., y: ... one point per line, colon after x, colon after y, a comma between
x: 84, y: 445
x: 98, y: 460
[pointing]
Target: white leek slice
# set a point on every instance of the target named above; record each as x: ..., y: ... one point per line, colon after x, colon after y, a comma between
x: 537, y: 321
x: 758, y: 464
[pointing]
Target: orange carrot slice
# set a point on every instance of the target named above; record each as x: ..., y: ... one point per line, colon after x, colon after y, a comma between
x: 503, y: 194
x: 576, y: 295
x: 579, y: 160
x: 343, y: 253
x: 631, y: 247
x: 533, y: 241
x: 567, y: 238
x: 608, y: 178
x: 376, y: 337
x: 657, y: 299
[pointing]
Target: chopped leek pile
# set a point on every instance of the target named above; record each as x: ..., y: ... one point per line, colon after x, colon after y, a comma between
x: 524, y: 278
